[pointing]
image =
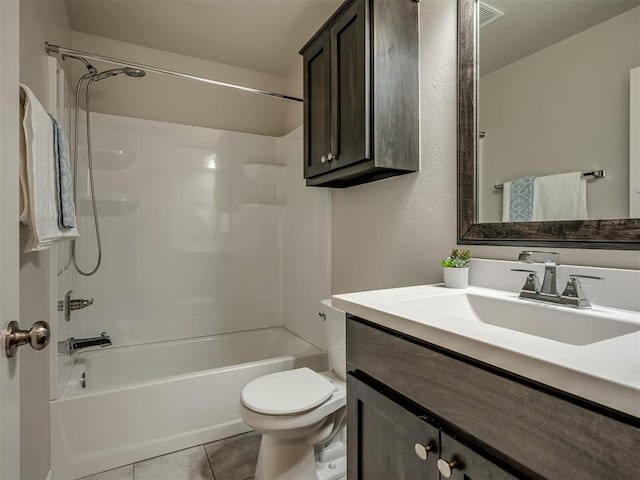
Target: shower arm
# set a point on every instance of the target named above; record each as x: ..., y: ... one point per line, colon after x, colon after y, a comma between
x: 62, y: 51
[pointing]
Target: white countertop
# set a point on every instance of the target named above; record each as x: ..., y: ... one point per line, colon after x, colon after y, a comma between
x: 606, y: 372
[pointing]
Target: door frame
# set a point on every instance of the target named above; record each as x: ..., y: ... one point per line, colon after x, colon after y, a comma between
x: 9, y: 234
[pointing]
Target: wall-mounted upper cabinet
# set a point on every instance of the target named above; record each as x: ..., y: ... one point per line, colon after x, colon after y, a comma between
x: 361, y: 87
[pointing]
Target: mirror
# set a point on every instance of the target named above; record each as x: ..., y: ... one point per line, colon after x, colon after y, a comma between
x: 544, y: 91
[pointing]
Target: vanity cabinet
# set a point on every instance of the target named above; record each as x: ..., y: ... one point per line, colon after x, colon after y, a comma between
x: 493, y: 424
x: 394, y: 440
x: 361, y: 109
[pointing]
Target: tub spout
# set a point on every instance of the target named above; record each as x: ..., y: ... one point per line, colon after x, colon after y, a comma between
x: 72, y: 345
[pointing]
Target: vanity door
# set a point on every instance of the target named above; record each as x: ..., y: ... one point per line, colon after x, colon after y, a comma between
x: 386, y: 440
x: 459, y: 462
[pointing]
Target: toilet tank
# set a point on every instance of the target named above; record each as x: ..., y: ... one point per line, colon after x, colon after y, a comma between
x: 335, y: 331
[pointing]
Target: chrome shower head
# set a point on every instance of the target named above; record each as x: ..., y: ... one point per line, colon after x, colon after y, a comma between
x: 134, y: 72
x: 130, y: 72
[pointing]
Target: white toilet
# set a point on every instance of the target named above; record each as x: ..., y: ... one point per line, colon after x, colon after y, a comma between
x: 302, y: 414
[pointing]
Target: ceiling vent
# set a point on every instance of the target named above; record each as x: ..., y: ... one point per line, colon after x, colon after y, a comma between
x: 488, y: 14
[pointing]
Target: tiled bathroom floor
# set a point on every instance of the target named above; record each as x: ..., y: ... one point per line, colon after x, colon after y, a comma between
x: 232, y: 458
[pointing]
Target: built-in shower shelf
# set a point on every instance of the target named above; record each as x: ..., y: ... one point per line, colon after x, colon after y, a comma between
x: 274, y: 206
x: 112, y: 205
x: 267, y: 172
x: 108, y: 159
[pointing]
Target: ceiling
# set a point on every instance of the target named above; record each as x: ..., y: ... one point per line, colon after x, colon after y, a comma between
x: 531, y: 25
x: 261, y: 35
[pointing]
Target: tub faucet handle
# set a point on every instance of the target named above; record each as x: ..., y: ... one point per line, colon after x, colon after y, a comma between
x: 80, y: 303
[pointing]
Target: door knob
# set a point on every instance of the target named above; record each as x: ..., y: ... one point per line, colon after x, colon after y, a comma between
x: 38, y: 337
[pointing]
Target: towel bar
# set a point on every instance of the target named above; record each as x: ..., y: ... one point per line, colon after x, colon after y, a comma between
x: 593, y: 174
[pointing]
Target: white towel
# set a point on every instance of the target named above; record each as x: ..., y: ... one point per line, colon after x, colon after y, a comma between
x: 560, y: 197
x: 506, y: 201
x: 38, y: 198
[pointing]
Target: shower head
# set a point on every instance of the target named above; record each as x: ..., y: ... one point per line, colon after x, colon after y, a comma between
x: 134, y: 72
x: 130, y: 72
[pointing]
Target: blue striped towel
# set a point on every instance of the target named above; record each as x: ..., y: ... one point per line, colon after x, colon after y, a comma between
x: 521, y: 199
x: 64, y: 178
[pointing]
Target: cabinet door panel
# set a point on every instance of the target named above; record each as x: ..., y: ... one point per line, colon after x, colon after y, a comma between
x: 383, y: 437
x: 317, y: 117
x: 350, y: 83
x: 469, y: 465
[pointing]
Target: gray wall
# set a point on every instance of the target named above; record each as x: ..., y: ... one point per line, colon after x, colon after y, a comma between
x: 176, y: 100
x: 563, y: 109
x: 393, y: 232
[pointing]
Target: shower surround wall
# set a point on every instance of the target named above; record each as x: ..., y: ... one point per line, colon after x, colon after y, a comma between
x: 188, y: 250
x: 200, y: 231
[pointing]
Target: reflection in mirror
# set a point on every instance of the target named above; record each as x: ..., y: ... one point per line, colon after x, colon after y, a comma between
x: 559, y: 86
x: 516, y: 129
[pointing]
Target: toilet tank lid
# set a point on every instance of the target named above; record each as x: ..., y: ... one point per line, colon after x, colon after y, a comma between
x: 287, y: 393
x: 327, y: 302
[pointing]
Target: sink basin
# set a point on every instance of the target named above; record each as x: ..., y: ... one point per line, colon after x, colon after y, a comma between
x: 562, y: 324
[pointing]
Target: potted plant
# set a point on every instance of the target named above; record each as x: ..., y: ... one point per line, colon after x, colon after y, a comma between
x: 456, y: 268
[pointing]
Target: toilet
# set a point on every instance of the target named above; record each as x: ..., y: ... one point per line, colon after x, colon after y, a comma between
x: 302, y: 414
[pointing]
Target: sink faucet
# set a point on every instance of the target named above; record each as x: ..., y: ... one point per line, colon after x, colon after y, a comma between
x: 72, y: 345
x: 551, y: 261
x: 572, y: 296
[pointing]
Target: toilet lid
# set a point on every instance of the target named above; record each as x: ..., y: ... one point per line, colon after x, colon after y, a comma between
x: 287, y: 393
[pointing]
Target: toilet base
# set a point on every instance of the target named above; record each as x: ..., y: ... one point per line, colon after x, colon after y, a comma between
x: 334, y: 469
x: 285, y: 460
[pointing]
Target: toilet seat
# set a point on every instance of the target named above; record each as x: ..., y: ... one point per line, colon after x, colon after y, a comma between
x: 290, y: 392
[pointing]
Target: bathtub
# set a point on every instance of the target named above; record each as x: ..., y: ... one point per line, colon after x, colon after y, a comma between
x: 148, y: 400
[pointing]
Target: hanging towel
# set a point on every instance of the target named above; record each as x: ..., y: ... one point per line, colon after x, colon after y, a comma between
x: 517, y: 200
x: 64, y: 178
x: 560, y: 197
x: 506, y: 200
x: 39, y: 205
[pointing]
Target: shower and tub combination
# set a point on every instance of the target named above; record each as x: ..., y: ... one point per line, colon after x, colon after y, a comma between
x: 191, y: 246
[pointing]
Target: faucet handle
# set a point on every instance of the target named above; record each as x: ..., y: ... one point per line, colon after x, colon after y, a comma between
x: 592, y: 277
x: 532, y: 283
x: 574, y: 289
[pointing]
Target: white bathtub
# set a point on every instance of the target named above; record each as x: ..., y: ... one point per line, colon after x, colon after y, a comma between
x: 148, y: 400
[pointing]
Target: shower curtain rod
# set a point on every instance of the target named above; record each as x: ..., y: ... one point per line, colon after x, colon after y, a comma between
x: 62, y: 51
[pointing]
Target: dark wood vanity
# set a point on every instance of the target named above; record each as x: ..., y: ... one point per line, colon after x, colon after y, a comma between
x: 412, y: 403
x: 361, y: 77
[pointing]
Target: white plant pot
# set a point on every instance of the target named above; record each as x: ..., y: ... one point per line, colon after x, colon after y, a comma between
x: 456, y: 277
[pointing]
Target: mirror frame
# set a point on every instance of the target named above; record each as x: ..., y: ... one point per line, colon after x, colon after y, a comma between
x: 619, y: 234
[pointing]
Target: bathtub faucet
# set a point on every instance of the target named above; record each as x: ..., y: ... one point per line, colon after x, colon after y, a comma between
x: 72, y: 345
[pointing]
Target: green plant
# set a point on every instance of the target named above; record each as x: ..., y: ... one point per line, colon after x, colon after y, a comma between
x: 459, y: 258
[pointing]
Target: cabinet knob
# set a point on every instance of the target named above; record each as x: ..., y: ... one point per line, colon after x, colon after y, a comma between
x: 422, y: 451
x: 331, y: 156
x: 323, y: 159
x: 446, y: 468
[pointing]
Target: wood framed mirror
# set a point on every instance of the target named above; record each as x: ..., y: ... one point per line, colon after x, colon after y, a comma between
x: 608, y: 233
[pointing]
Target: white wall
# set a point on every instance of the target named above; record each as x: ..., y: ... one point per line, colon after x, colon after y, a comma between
x: 564, y: 108
x: 194, y: 247
x: 306, y: 245
x: 40, y: 21
x: 176, y: 100
x: 393, y: 232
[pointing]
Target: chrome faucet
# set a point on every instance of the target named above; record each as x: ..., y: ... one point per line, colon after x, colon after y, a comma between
x: 72, y: 345
x: 572, y: 296
x: 551, y: 261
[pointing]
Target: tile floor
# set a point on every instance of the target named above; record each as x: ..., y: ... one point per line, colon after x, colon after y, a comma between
x: 232, y: 458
